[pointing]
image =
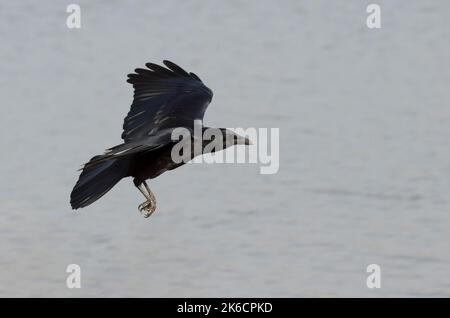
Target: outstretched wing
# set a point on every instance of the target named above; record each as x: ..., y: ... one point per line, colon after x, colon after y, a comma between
x: 164, y: 98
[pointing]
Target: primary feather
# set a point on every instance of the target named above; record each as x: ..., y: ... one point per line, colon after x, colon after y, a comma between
x: 164, y: 98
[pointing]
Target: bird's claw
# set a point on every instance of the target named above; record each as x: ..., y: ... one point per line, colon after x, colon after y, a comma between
x: 147, y: 208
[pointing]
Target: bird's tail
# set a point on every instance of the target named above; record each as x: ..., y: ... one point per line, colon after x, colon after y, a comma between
x: 97, y: 178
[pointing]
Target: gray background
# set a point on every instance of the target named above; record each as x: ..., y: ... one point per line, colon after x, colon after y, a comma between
x: 364, y: 125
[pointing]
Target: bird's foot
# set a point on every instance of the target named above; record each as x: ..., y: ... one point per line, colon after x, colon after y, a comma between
x: 147, y: 208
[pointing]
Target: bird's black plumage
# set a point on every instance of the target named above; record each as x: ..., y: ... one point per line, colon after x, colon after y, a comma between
x: 165, y: 98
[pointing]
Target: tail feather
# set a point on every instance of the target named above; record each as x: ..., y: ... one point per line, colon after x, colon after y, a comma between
x: 97, y: 179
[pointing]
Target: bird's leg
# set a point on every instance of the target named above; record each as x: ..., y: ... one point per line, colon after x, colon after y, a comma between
x: 149, y: 206
x: 150, y: 193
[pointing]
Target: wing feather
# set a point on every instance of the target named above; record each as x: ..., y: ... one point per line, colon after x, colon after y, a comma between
x: 164, y: 98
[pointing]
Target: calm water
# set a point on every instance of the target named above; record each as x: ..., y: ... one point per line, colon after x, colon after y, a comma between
x: 364, y: 154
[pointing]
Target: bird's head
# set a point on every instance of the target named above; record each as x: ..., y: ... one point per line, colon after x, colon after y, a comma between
x: 231, y: 138
x: 220, y: 138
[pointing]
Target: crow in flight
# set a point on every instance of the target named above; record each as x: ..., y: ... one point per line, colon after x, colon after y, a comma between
x: 165, y: 99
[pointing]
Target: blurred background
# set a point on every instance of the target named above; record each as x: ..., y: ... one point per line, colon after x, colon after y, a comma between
x: 364, y: 125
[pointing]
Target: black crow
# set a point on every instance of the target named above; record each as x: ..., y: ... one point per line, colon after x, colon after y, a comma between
x: 165, y: 99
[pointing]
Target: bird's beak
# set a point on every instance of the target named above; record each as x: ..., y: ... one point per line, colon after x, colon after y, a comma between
x: 244, y: 140
x: 241, y: 140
